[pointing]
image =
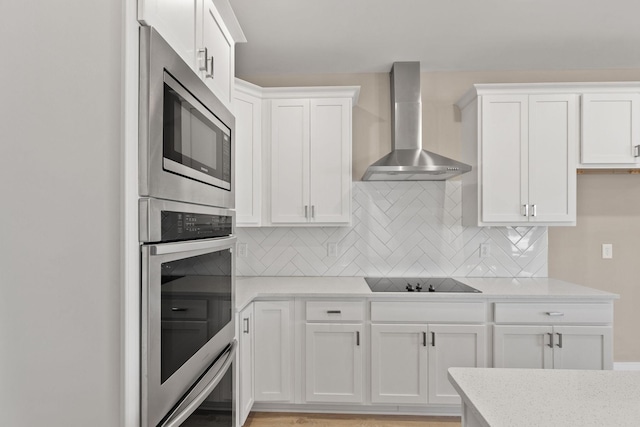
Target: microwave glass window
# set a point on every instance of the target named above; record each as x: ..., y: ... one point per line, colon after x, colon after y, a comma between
x: 194, y: 140
x: 195, y: 306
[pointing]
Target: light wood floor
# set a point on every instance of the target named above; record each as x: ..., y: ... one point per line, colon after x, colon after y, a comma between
x: 275, y: 419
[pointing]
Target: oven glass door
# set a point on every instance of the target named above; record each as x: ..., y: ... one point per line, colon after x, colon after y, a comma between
x: 187, y: 311
x: 196, y: 144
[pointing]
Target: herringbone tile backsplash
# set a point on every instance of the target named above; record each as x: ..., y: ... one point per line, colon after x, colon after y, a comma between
x: 400, y: 229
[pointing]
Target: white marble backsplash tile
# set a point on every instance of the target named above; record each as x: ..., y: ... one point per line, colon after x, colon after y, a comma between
x: 402, y: 229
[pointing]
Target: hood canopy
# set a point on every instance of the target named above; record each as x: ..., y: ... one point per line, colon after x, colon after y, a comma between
x: 407, y: 160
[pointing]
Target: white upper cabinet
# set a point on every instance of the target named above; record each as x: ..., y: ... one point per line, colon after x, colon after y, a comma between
x: 610, y: 129
x: 204, y: 33
x: 247, y: 107
x: 309, y: 148
x: 522, y: 148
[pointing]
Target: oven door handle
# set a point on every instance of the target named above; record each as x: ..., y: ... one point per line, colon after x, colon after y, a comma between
x: 174, y: 248
x: 202, y: 389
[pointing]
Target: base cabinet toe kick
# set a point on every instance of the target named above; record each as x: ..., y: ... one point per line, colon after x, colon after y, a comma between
x: 393, y: 356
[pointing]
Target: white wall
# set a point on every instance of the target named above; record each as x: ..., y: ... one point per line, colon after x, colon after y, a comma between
x: 60, y: 235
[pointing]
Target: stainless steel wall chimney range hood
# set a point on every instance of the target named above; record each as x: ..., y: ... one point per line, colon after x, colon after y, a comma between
x: 407, y: 160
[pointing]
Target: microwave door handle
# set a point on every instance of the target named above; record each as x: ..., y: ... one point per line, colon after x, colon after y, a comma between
x: 193, y: 399
x: 173, y: 248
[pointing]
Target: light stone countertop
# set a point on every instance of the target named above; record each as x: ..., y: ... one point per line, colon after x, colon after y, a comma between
x: 549, y: 397
x: 249, y: 288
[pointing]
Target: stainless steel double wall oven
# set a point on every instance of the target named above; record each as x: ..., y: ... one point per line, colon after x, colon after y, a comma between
x: 187, y: 235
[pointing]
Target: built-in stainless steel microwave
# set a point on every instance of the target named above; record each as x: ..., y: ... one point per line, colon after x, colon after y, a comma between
x: 186, y: 133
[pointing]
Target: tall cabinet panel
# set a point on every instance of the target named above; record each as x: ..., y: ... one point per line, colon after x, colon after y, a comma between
x: 553, y: 127
x: 505, y: 159
x: 330, y: 160
x: 290, y: 161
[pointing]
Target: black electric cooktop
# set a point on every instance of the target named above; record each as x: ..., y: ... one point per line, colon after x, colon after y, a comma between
x: 411, y: 284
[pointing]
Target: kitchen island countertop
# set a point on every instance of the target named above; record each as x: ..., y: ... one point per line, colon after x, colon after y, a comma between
x: 547, y: 397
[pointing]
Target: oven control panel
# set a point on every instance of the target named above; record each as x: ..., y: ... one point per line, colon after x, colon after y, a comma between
x: 188, y: 226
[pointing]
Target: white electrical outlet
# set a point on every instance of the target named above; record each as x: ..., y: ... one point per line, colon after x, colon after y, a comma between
x: 332, y: 250
x: 243, y: 250
x: 607, y: 251
x: 485, y: 250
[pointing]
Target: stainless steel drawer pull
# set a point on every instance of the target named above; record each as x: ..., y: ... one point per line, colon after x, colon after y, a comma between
x: 313, y: 211
x: 246, y: 325
x: 334, y: 311
x: 306, y: 211
x: 637, y: 151
x: 555, y: 313
x: 179, y: 309
x: 533, y: 210
x: 526, y: 210
x: 550, y: 340
x: 559, y: 345
x: 209, y: 74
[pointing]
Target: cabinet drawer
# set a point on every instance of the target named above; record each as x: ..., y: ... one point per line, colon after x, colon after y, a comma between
x: 419, y: 311
x: 553, y: 313
x: 335, y: 310
x: 184, y: 309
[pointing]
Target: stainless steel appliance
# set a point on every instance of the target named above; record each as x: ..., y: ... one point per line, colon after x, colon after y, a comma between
x: 412, y: 284
x: 186, y: 134
x: 187, y: 323
x: 407, y: 160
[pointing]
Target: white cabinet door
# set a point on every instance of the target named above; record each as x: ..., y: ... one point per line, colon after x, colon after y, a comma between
x: 212, y: 35
x: 290, y: 161
x: 553, y: 128
x: 330, y: 160
x: 504, y: 154
x: 582, y: 347
x: 248, y: 167
x: 610, y: 128
x: 453, y: 346
x: 273, y: 350
x: 246, y: 378
x: 399, y: 364
x: 523, y: 347
x: 175, y: 21
x: 334, y: 363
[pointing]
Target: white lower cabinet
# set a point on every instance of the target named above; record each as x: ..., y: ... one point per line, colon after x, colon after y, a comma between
x: 552, y: 347
x: 459, y: 346
x: 334, y: 363
x: 246, y: 377
x: 399, y: 364
x: 409, y: 363
x: 273, y: 342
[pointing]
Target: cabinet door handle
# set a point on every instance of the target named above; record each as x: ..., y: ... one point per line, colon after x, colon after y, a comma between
x: 209, y: 74
x: 424, y: 339
x: 555, y: 313
x: 533, y: 210
x: 433, y: 339
x: 550, y: 340
x: 358, y: 338
x: 204, y: 59
x: 179, y: 309
x: 636, y: 152
x: 313, y: 211
x: 334, y: 311
x: 526, y: 210
x: 306, y: 211
x: 246, y: 325
x: 559, y: 345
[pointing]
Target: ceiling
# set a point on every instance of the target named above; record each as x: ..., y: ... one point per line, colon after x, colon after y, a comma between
x: 363, y: 36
